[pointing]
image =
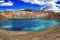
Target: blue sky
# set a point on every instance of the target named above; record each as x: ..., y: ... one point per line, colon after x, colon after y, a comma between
x: 18, y: 4
x: 47, y: 5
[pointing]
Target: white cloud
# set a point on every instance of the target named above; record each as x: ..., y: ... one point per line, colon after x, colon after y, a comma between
x: 6, y: 3
x: 34, y: 2
x: 39, y: 2
x: 1, y: 1
x: 49, y: 4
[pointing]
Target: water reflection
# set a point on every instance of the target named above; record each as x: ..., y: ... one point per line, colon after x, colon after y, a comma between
x: 28, y: 24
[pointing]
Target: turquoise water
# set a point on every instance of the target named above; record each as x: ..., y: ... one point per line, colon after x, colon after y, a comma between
x: 28, y: 24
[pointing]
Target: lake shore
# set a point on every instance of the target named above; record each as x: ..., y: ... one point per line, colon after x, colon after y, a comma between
x: 50, y: 34
x: 5, y: 34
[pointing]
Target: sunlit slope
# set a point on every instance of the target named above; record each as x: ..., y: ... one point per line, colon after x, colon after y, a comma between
x: 28, y: 14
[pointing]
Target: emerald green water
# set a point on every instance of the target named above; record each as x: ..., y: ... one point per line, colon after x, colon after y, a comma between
x: 28, y: 24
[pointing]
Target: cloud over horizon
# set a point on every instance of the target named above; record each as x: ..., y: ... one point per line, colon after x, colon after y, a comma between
x: 9, y: 3
x: 49, y: 5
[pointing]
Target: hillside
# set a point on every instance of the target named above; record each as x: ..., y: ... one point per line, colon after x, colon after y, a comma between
x: 28, y: 14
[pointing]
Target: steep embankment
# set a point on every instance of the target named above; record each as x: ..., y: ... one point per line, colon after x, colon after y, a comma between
x: 28, y: 14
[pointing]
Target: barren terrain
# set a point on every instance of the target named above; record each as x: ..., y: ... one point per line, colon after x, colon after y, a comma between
x: 28, y: 14
x: 50, y: 34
